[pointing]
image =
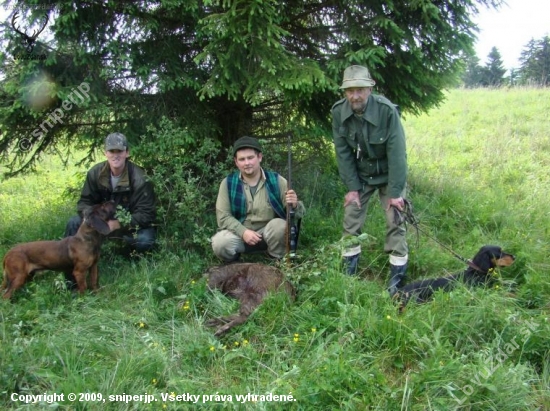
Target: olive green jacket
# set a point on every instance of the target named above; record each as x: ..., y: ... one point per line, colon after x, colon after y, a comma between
x: 258, y: 210
x: 370, y: 149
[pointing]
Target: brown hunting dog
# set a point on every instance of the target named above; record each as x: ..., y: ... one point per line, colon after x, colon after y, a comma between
x: 247, y: 282
x: 78, y: 253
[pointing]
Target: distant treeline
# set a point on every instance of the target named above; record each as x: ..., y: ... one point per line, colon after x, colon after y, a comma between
x: 534, y: 68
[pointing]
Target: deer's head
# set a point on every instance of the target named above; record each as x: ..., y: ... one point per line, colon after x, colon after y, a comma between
x: 28, y: 40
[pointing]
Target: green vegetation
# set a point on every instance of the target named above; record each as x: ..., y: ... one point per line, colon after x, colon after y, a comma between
x: 478, y: 175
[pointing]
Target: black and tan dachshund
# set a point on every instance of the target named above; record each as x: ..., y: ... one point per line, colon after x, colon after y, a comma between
x: 478, y: 273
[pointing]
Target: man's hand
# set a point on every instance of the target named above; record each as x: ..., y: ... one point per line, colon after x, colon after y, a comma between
x: 352, y: 197
x: 398, y: 203
x: 251, y: 237
x: 291, y: 198
x: 114, y: 225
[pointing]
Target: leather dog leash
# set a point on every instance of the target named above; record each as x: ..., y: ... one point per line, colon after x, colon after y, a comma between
x: 407, y: 216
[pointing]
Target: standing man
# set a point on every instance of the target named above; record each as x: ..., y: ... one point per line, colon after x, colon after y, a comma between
x: 370, y: 150
x: 251, y: 207
x: 124, y: 182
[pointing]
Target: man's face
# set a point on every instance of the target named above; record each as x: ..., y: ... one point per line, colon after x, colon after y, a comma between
x: 116, y: 158
x: 357, y: 97
x: 248, y: 162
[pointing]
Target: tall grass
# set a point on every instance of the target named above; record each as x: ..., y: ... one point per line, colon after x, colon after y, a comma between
x: 478, y: 176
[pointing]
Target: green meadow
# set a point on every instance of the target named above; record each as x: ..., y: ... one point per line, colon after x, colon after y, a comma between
x: 479, y: 175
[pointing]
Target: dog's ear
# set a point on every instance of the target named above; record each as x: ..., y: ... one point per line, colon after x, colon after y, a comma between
x: 485, y: 259
x: 87, y: 211
x: 98, y: 224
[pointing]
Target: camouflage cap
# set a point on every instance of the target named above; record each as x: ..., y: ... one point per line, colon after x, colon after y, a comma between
x: 116, y: 141
x: 246, y: 142
x: 357, y: 76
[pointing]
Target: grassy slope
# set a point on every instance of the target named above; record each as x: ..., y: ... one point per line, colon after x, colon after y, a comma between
x: 478, y: 176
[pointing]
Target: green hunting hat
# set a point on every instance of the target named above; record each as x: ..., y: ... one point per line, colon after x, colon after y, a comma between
x: 357, y: 76
x: 246, y: 142
x: 116, y: 141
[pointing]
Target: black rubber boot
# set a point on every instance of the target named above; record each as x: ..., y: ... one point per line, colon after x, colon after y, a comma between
x: 351, y: 263
x: 397, y: 278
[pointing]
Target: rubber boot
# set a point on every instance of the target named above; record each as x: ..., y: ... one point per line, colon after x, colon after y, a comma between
x: 397, y: 278
x: 351, y: 263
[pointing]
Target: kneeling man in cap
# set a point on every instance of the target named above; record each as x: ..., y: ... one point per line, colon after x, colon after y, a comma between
x: 125, y: 183
x: 251, y: 207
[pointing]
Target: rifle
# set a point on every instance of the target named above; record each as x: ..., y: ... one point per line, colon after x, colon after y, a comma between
x: 292, y: 228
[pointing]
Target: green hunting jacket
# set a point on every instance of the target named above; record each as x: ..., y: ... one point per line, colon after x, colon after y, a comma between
x: 258, y: 209
x: 134, y: 192
x: 370, y: 149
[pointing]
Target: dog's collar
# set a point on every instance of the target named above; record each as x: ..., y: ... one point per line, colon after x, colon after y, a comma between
x: 473, y: 266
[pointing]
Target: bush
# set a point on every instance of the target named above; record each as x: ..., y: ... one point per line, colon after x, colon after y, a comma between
x: 183, y: 165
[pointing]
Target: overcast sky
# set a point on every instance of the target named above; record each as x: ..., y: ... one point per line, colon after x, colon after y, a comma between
x: 510, y: 28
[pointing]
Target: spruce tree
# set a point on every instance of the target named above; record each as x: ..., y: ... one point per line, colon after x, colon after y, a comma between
x: 219, y: 68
